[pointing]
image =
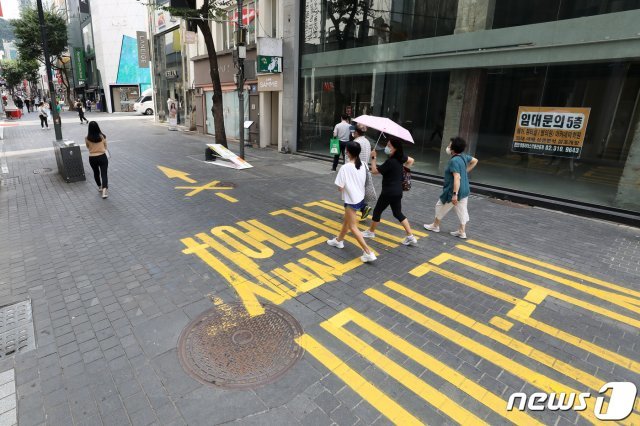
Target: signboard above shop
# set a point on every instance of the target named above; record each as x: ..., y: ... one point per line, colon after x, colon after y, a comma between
x: 270, y: 83
x: 269, y: 64
x: 557, y: 132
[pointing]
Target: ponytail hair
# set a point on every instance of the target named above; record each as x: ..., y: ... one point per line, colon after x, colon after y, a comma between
x: 353, y: 148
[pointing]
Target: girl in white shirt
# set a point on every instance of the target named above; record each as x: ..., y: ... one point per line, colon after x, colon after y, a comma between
x: 350, y: 181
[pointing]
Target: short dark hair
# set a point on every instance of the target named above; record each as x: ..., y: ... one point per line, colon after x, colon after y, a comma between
x: 397, y: 146
x: 345, y: 116
x: 458, y: 145
x: 361, y: 129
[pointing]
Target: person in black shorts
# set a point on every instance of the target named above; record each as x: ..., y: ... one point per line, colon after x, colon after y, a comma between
x: 391, y: 194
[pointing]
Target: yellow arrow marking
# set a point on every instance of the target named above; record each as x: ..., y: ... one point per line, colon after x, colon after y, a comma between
x: 171, y: 174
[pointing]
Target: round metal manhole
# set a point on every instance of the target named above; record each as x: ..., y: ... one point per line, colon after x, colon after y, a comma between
x: 42, y: 171
x: 226, y: 347
x: 226, y: 185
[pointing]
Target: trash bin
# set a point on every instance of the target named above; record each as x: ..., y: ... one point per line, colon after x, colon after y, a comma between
x: 69, y: 160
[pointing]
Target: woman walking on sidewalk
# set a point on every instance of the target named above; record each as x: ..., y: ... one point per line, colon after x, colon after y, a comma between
x: 43, y: 114
x: 97, y: 144
x: 350, y: 182
x: 455, y: 191
x: 80, y: 108
x: 391, y: 194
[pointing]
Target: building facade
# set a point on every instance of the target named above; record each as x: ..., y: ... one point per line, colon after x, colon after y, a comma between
x: 472, y: 68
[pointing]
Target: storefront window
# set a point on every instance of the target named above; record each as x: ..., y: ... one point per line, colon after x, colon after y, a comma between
x: 231, y: 107
x: 611, y: 91
x: 415, y: 100
x: 248, y: 20
x: 332, y: 25
x: 510, y: 13
x: 169, y: 85
x: 87, y: 37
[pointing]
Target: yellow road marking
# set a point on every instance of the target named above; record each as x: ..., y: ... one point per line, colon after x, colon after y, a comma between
x: 569, y: 272
x: 171, y: 173
x: 337, y: 226
x: 535, y: 378
x: 523, y: 309
x: 328, y: 205
x: 226, y: 197
x: 607, y: 313
x: 211, y: 186
x: 623, y: 301
x: 501, y: 323
x: 279, y: 235
x: 403, y: 376
x: 374, y: 396
x: 317, y: 225
x: 311, y: 243
x: 335, y: 326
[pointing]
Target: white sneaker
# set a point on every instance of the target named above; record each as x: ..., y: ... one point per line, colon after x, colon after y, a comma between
x: 105, y: 193
x: 368, y: 257
x: 410, y: 241
x: 335, y: 243
x: 431, y: 227
x: 459, y: 234
x: 368, y: 234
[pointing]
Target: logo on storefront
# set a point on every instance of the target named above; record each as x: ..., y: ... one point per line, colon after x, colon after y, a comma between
x: 171, y: 74
x: 621, y: 402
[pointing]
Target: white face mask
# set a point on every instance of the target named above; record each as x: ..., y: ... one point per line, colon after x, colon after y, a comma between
x: 448, y: 150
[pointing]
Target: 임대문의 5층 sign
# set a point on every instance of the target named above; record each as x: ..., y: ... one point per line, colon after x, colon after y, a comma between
x: 551, y: 131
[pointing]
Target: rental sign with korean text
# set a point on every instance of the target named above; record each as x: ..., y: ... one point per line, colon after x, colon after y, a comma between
x: 557, y: 132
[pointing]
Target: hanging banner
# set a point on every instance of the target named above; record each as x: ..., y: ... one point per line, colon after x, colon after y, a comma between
x: 79, y: 65
x: 143, y: 49
x: 554, y: 131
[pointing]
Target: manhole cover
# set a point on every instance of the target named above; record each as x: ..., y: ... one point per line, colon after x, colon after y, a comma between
x: 41, y: 171
x: 228, y: 348
x: 226, y: 185
x: 16, y: 329
x: 508, y: 203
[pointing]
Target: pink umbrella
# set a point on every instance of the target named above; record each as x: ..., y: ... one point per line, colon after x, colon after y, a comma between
x: 385, y: 126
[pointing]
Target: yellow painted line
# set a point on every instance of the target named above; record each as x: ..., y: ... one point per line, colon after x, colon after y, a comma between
x: 172, y: 173
x: 374, y: 396
x: 607, y: 313
x: 421, y: 270
x: 569, y: 272
x: 516, y: 345
x: 490, y: 400
x: 537, y: 379
x: 337, y: 226
x: 328, y: 205
x: 623, y: 301
x: 403, y: 376
x: 226, y: 197
x: 311, y: 243
x: 198, y: 189
x: 316, y: 225
x: 523, y: 309
x: 279, y: 235
x: 501, y: 323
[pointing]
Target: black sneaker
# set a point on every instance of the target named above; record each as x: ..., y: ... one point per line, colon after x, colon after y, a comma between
x: 365, y: 212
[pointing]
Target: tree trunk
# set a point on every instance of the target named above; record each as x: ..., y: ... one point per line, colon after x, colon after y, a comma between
x: 216, y: 109
x: 65, y: 81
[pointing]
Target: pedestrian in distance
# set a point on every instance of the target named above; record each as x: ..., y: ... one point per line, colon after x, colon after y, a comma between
x: 342, y: 131
x: 89, y: 105
x: 44, y: 115
x: 350, y: 182
x: 27, y: 103
x: 96, y: 143
x: 391, y: 195
x: 365, y: 154
x: 455, y: 190
x: 80, y: 108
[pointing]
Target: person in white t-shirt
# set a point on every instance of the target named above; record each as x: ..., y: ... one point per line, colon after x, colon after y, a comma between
x: 350, y: 181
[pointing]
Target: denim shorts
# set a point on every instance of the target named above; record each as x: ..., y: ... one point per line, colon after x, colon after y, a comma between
x: 356, y: 207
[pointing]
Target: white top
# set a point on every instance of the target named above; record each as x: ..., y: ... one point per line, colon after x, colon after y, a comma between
x: 352, y: 180
x: 365, y: 150
x: 342, y: 131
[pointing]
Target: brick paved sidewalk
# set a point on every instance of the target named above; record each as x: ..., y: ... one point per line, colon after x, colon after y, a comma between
x: 111, y: 290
